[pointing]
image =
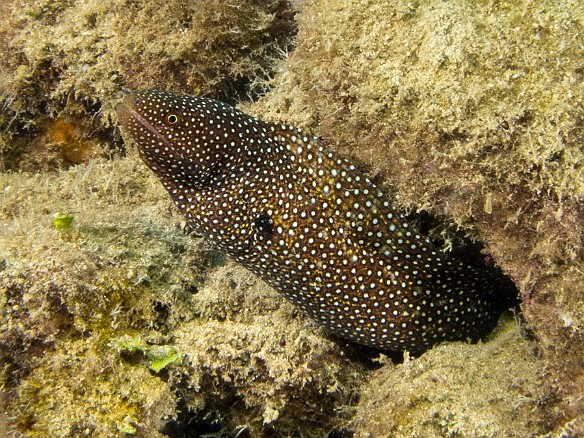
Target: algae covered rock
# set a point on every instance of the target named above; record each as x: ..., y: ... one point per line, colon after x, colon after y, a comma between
x: 471, y: 111
x: 64, y: 63
x: 124, y: 324
x: 492, y: 389
x: 116, y: 322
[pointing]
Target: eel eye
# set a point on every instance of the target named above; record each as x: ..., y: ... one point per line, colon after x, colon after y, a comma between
x: 172, y: 119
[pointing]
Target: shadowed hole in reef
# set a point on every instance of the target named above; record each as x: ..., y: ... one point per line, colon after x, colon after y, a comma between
x: 210, y: 424
x: 191, y: 424
x: 53, y: 142
x: 368, y: 356
x: 458, y: 246
x: 162, y: 311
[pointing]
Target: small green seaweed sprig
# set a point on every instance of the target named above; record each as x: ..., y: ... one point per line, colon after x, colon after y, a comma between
x: 62, y: 222
x: 160, y: 357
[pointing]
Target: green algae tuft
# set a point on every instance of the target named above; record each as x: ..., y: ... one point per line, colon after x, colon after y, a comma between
x: 159, y: 356
x: 62, y: 222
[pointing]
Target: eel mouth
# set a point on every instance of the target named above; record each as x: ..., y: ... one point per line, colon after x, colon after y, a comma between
x: 131, y: 118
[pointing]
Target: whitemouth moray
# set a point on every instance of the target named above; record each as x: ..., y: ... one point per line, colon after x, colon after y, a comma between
x: 311, y: 225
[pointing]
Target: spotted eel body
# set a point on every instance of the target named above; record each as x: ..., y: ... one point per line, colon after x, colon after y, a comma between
x: 310, y: 224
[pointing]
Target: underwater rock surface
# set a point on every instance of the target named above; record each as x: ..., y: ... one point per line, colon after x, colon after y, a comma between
x: 472, y: 111
x: 63, y: 63
x: 140, y: 326
x: 457, y: 390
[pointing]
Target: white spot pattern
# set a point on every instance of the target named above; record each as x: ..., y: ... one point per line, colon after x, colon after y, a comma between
x: 308, y: 223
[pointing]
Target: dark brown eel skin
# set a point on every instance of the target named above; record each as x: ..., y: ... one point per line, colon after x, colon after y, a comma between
x: 306, y: 221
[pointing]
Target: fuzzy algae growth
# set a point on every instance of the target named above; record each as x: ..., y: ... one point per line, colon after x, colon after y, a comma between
x: 215, y: 340
x: 470, y: 110
x: 458, y: 390
x: 66, y: 60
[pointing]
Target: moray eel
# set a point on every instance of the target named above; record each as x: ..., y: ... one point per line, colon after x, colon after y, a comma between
x: 306, y: 221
